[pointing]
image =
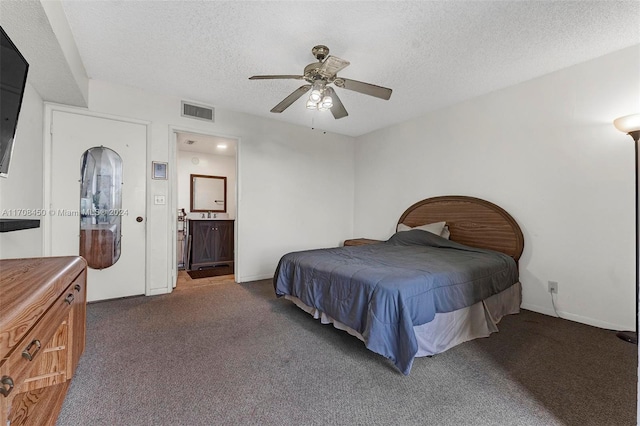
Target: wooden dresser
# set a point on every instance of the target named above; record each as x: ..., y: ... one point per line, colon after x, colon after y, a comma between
x: 98, y: 244
x: 42, y: 335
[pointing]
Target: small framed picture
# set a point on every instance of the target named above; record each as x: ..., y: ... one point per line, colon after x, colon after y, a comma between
x: 159, y: 170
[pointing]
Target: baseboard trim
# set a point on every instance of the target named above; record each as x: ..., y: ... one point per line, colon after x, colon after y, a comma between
x: 573, y: 317
x: 254, y: 278
x: 157, y: 291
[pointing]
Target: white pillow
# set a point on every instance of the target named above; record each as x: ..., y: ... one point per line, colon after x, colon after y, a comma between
x: 445, y: 232
x: 434, y: 228
x: 403, y: 227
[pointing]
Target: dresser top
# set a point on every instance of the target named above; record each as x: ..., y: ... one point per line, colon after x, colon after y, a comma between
x: 27, y: 288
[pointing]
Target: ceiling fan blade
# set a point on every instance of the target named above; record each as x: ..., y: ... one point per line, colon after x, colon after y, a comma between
x: 366, y: 88
x: 286, y: 102
x: 337, y: 109
x: 276, y: 77
x: 331, y: 66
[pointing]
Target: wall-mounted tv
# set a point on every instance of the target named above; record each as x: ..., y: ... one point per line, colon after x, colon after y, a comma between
x: 13, y: 78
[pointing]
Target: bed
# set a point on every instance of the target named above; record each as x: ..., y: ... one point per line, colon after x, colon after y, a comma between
x: 418, y: 293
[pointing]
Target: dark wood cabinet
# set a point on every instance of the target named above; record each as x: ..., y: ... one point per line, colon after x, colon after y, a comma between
x: 211, y: 243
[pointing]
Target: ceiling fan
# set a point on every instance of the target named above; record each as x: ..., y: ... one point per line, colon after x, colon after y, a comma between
x: 320, y: 75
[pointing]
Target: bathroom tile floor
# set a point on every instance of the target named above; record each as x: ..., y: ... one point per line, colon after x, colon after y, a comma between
x: 185, y: 282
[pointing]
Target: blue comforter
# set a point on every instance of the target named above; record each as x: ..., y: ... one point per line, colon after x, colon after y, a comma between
x: 384, y: 290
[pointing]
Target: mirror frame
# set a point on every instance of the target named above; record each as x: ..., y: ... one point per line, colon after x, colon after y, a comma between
x: 192, y: 177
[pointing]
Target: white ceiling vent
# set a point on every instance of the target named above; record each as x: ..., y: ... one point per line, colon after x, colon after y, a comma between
x: 201, y: 112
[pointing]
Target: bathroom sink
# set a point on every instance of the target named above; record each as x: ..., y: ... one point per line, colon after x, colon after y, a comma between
x: 219, y: 217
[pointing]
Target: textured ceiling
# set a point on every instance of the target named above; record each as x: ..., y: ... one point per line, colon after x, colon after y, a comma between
x: 432, y: 53
x: 28, y: 26
x: 213, y: 145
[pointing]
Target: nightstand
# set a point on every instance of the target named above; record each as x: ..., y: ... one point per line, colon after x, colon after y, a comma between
x: 360, y: 242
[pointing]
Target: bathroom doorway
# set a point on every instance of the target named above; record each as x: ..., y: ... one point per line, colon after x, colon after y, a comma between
x: 204, y: 190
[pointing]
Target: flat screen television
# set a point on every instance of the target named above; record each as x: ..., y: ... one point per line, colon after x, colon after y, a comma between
x: 13, y: 78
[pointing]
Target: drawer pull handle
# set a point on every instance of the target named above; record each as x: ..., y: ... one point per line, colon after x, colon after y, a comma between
x: 7, y: 385
x: 77, y: 287
x: 69, y: 298
x: 26, y: 354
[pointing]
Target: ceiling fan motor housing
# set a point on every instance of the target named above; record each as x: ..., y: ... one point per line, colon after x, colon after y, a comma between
x: 320, y: 52
x: 312, y: 73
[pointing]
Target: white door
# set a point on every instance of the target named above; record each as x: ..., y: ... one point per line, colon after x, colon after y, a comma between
x: 72, y: 135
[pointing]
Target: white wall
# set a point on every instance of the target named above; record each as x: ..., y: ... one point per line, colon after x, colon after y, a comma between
x: 547, y: 152
x: 64, y: 37
x: 208, y: 164
x: 22, y: 189
x: 296, y: 185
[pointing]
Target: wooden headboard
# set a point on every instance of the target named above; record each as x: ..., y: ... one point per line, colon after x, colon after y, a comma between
x: 472, y: 221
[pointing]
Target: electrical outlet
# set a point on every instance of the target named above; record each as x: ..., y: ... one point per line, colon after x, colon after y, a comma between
x: 553, y: 287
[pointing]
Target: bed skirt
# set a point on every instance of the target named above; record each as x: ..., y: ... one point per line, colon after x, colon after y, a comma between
x: 447, y: 329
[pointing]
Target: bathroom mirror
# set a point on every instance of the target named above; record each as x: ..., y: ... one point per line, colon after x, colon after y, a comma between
x: 208, y: 193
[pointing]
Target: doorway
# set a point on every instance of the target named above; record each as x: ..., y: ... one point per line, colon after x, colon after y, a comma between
x: 206, y: 222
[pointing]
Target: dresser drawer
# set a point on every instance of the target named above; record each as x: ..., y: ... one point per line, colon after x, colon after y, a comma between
x: 26, y: 355
x: 50, y: 367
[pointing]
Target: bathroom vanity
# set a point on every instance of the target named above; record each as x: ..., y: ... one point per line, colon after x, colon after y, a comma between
x: 211, y: 243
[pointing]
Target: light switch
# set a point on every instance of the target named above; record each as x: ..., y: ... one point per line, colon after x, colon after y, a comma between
x: 158, y: 199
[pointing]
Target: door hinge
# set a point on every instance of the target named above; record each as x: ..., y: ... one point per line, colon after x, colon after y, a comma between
x: 51, y: 128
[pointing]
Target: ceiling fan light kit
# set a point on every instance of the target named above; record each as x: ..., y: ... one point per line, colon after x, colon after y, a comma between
x: 320, y: 75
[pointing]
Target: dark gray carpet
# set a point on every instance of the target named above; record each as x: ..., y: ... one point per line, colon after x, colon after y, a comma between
x: 235, y: 355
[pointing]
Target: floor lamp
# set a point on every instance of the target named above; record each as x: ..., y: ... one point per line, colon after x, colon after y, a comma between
x: 630, y: 125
